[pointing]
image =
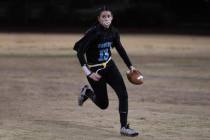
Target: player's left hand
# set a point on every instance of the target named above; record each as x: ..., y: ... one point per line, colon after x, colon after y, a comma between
x: 132, y: 68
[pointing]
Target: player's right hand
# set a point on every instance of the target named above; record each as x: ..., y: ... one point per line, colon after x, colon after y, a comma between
x: 94, y: 76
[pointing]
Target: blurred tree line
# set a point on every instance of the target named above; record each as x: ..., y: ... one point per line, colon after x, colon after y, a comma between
x: 127, y: 13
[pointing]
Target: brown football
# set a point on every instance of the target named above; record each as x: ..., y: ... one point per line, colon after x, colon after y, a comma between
x: 135, y: 77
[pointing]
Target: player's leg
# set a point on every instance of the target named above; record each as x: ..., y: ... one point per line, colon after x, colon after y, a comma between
x: 115, y: 80
x: 99, y: 93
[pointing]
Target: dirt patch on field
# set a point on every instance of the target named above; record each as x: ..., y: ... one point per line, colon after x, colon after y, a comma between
x: 40, y: 79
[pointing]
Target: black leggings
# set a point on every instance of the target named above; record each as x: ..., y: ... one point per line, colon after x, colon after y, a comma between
x: 110, y: 75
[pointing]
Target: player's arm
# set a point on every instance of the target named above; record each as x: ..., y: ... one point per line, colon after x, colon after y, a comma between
x: 88, y: 38
x: 82, y: 50
x: 120, y: 49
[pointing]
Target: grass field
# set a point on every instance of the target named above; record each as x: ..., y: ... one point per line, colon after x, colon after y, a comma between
x: 40, y: 78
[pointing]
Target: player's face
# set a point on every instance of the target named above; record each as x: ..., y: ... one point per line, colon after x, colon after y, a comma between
x: 105, y: 18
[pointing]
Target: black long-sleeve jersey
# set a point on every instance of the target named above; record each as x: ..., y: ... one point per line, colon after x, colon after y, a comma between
x: 97, y: 44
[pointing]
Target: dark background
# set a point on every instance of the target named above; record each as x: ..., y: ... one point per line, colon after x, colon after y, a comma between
x: 184, y: 16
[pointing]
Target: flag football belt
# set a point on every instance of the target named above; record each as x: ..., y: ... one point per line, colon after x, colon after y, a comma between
x: 100, y: 64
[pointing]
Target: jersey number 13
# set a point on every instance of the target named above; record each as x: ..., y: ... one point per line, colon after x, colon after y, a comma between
x: 103, y: 55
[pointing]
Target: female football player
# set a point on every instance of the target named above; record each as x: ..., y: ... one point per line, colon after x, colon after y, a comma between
x: 94, y: 54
